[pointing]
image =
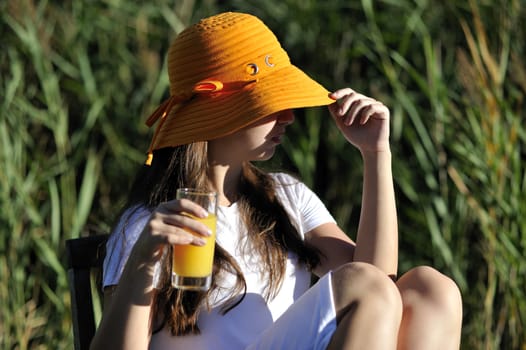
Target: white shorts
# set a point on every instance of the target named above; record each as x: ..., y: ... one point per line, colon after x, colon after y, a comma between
x: 308, y: 324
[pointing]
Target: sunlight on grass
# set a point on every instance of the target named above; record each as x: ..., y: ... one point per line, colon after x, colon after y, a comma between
x: 79, y: 78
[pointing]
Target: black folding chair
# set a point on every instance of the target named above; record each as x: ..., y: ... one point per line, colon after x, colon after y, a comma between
x: 84, y: 257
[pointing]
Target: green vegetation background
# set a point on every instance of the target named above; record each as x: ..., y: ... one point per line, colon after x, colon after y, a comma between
x: 78, y: 79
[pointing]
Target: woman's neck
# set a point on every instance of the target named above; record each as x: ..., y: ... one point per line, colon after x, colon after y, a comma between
x: 225, y: 179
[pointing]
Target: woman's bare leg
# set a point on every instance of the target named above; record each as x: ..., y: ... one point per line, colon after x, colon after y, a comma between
x: 432, y: 311
x: 368, y: 308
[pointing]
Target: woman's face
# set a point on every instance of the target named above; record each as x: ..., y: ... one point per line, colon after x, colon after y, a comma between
x: 256, y: 141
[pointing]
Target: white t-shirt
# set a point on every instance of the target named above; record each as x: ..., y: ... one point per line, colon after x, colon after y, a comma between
x: 237, y: 328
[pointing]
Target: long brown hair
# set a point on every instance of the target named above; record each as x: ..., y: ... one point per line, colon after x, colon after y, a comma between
x: 270, y: 231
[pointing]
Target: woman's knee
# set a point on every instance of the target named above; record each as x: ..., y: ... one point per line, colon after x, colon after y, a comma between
x: 428, y: 285
x: 364, y: 284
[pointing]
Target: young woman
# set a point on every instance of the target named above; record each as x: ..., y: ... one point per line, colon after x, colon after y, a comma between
x: 233, y: 91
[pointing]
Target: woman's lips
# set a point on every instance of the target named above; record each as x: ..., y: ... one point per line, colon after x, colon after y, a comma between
x: 277, y: 138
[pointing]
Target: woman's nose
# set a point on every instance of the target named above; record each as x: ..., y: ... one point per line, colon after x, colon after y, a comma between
x: 286, y: 117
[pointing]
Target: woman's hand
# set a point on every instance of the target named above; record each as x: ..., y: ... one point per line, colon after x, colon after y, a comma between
x: 363, y: 121
x: 127, y: 318
x: 169, y: 224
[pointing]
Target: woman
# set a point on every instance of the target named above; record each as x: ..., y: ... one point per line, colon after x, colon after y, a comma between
x: 232, y: 92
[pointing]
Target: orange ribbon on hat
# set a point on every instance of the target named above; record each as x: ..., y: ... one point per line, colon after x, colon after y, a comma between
x: 161, y: 112
x: 202, y: 87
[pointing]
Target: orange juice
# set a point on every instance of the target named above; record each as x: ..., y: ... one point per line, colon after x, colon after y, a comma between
x: 196, y: 261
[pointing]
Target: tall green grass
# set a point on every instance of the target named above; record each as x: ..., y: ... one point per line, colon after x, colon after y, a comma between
x: 453, y: 74
x: 75, y: 79
x: 78, y: 78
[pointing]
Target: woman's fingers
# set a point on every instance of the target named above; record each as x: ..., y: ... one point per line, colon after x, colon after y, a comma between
x: 185, y: 221
x: 183, y: 213
x: 175, y: 222
x: 178, y: 235
x: 183, y: 205
x: 341, y: 93
x: 163, y: 233
x: 354, y: 107
x: 358, y: 108
x: 359, y: 105
x: 374, y: 108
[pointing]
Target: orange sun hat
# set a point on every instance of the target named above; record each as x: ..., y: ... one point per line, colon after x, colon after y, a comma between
x: 226, y: 72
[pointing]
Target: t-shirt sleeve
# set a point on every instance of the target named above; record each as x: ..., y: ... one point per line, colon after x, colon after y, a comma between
x: 314, y: 212
x: 302, y: 204
x: 121, y: 242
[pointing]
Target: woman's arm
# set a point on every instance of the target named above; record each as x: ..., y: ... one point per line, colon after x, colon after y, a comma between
x: 377, y: 238
x: 127, y: 319
x: 364, y: 122
x: 335, y: 246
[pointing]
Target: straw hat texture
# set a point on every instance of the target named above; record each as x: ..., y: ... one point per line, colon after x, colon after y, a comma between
x: 226, y: 72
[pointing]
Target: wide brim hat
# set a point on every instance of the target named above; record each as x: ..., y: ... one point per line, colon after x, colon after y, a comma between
x: 226, y: 72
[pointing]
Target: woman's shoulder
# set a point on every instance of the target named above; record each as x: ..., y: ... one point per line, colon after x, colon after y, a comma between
x: 289, y: 185
x: 133, y: 215
x: 130, y: 223
x: 285, y: 179
x: 301, y: 202
x: 136, y: 212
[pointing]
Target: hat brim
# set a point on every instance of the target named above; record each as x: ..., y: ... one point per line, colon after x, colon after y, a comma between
x: 212, y: 116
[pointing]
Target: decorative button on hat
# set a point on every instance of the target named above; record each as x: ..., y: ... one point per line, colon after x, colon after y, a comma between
x: 226, y: 72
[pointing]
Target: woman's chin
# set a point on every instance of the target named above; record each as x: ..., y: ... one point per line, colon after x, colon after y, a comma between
x: 266, y: 154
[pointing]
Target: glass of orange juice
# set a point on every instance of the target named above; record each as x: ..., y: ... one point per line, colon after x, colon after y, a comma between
x: 192, y: 265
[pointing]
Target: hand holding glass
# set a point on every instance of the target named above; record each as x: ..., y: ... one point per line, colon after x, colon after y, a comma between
x: 192, y: 265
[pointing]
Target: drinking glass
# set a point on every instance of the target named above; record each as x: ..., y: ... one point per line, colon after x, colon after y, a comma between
x: 192, y: 265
